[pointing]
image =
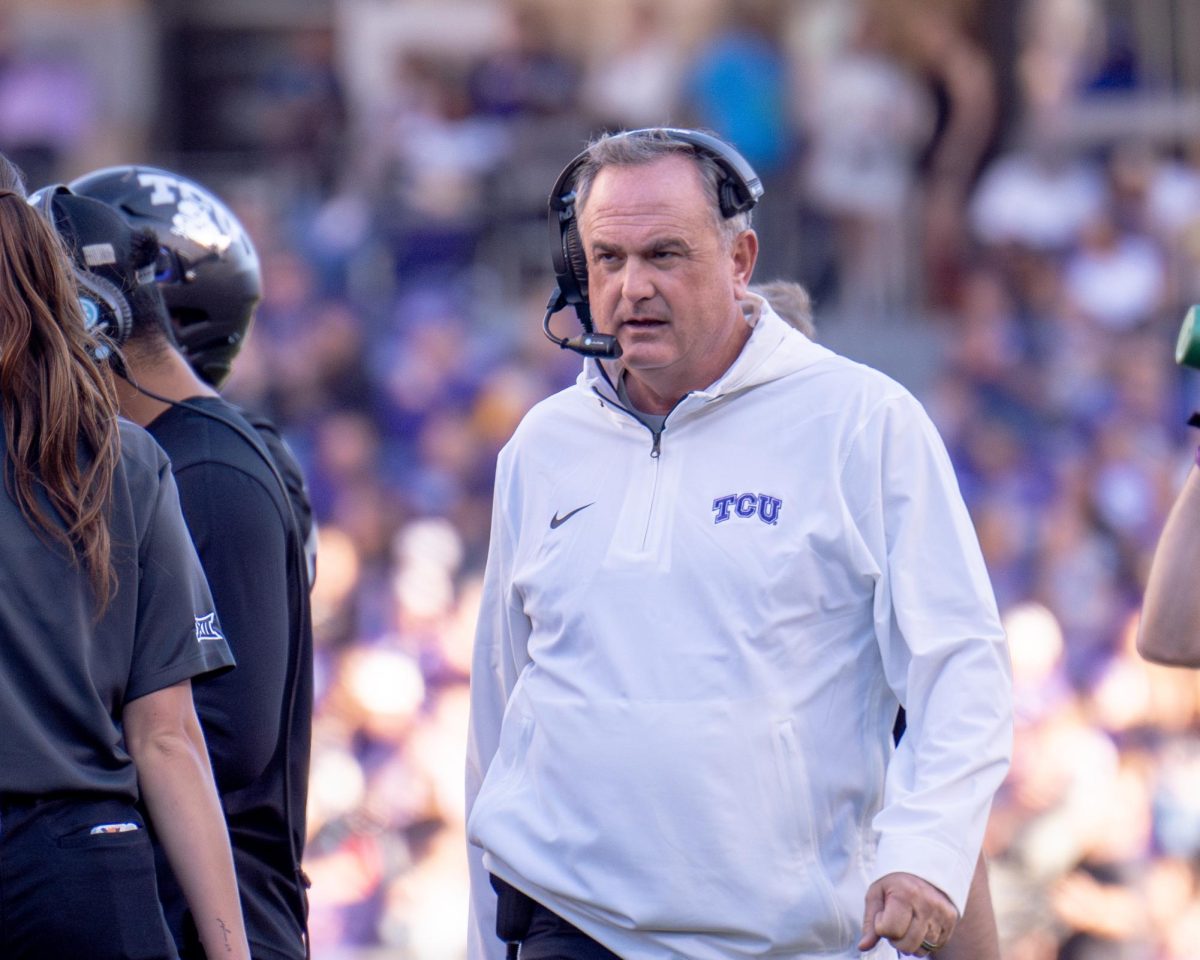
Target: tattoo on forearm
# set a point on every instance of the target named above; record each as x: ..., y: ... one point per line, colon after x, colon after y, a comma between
x: 225, y: 934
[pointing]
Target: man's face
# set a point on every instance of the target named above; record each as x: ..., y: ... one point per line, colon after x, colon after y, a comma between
x: 661, y: 276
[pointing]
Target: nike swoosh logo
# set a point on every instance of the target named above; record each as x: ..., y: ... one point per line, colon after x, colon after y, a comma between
x: 556, y: 521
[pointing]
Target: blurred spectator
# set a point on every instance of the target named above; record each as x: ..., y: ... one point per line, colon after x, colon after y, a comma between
x: 1061, y: 44
x: 735, y: 85
x: 1039, y: 197
x: 637, y: 83
x: 427, y: 160
x: 305, y: 113
x: 1116, y: 279
x: 866, y: 120
x: 961, y: 80
x: 526, y: 73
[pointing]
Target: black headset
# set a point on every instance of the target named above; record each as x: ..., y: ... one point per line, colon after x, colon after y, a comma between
x: 105, y: 307
x: 738, y: 191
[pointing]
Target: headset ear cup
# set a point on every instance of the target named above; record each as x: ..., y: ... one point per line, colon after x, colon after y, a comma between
x: 731, y: 202
x: 97, y: 322
x: 576, y: 259
x: 93, y: 314
x: 570, y: 264
x: 104, y: 306
x: 573, y: 280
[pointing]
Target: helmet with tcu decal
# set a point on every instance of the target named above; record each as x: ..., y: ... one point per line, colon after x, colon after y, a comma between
x: 207, y: 268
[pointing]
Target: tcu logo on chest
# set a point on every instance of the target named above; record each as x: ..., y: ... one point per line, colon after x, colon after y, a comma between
x: 747, y: 505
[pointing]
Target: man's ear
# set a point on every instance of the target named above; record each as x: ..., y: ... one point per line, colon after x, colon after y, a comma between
x: 743, y: 256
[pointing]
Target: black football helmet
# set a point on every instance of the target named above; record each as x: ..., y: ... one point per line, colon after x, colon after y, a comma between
x: 207, y: 267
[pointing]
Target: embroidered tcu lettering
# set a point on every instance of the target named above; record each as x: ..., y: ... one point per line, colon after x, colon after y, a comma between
x: 747, y: 505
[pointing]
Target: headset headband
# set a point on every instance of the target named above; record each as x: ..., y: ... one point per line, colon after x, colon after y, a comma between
x: 746, y: 186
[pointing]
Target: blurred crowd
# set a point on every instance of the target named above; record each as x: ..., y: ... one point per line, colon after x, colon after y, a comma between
x: 929, y: 187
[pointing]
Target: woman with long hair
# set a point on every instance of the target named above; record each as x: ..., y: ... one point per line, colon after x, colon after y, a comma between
x: 104, y: 619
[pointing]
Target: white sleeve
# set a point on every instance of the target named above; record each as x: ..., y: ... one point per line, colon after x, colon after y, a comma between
x: 499, y: 656
x: 943, y: 650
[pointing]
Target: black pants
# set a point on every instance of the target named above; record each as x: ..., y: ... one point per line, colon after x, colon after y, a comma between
x: 550, y: 937
x: 68, y: 892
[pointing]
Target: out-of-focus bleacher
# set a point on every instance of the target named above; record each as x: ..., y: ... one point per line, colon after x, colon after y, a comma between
x: 997, y: 202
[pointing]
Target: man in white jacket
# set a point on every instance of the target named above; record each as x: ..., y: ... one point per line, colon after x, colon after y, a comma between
x: 719, y: 564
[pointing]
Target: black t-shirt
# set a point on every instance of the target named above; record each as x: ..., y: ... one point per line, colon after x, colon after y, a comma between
x: 64, y: 679
x: 257, y: 719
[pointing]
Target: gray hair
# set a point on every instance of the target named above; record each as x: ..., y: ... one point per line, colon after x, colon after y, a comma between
x: 791, y: 301
x: 615, y: 149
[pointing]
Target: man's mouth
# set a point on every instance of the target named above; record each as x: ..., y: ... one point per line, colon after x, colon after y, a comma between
x: 642, y: 323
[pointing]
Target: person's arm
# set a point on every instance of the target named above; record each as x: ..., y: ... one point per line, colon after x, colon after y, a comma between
x: 499, y: 656
x: 1169, y: 631
x: 976, y: 936
x: 241, y: 538
x: 164, y: 739
x: 944, y: 656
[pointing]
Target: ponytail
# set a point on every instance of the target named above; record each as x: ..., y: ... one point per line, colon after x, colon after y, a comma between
x: 59, y: 406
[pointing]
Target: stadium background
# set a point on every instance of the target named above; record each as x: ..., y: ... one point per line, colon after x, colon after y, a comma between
x: 998, y: 202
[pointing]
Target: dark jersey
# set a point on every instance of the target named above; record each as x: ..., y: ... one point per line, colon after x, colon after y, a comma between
x: 257, y: 719
x: 64, y: 678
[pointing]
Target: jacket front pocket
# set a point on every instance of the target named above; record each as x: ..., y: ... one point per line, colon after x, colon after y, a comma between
x: 803, y: 834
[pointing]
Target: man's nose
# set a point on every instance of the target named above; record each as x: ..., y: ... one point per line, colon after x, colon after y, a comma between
x: 637, y: 284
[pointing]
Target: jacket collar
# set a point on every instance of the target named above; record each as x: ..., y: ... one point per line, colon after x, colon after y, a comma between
x: 773, y: 350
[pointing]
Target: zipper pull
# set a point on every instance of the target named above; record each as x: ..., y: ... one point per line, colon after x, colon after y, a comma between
x: 656, y: 448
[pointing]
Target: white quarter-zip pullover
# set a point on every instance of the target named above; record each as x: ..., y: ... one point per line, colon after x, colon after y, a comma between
x: 691, y: 652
